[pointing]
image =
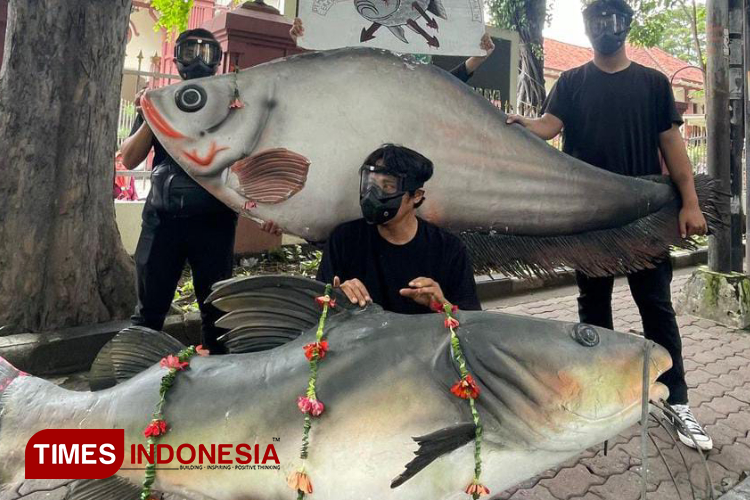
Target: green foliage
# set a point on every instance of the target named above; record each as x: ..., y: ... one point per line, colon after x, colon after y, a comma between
x: 668, y: 24
x: 173, y: 14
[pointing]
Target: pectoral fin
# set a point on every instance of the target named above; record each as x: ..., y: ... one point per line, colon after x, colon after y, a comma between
x: 433, y: 446
x: 271, y: 176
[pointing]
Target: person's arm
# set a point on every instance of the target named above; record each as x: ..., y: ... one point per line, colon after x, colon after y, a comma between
x: 330, y: 269
x: 467, y: 68
x: 136, y: 147
x: 672, y: 147
x: 547, y: 127
x: 463, y: 292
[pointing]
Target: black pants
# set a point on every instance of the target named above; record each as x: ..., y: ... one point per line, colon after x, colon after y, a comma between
x: 206, y: 242
x: 651, y: 291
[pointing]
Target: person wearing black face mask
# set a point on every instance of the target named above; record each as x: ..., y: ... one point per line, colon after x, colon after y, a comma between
x: 391, y: 256
x: 182, y: 222
x: 618, y: 115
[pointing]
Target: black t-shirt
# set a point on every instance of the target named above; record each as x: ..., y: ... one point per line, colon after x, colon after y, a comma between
x: 613, y: 121
x: 356, y: 250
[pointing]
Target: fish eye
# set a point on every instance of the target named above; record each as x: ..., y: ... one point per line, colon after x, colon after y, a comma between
x: 191, y: 98
x: 585, y: 335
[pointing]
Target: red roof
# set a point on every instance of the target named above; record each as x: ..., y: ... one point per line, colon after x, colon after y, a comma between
x: 560, y: 56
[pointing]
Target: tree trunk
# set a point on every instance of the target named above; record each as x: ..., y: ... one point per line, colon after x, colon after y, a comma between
x: 531, y: 91
x: 61, y: 259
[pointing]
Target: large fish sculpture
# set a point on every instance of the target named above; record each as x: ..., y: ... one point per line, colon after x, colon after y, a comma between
x: 548, y: 391
x: 284, y: 141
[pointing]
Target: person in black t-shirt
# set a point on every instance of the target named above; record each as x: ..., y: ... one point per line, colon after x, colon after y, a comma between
x: 181, y: 220
x: 391, y: 256
x: 618, y: 115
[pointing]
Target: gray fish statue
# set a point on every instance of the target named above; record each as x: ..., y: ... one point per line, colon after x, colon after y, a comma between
x: 284, y: 141
x: 548, y: 391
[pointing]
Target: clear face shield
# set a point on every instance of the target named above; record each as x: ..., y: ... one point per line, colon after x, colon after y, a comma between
x: 608, y: 23
x: 384, y: 186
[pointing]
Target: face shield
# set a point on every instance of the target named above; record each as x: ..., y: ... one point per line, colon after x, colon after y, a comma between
x: 607, y: 31
x: 380, y: 193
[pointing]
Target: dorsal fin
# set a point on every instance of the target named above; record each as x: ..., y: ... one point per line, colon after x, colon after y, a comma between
x: 264, y: 312
x: 131, y: 351
x: 433, y: 446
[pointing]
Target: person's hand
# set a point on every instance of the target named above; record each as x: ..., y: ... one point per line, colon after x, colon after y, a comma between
x: 487, y: 44
x: 297, y: 29
x: 424, y: 291
x: 517, y: 119
x: 137, y: 101
x: 270, y: 227
x: 355, y: 290
x: 692, y: 222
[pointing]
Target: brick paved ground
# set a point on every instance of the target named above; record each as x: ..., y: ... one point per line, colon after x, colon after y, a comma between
x: 717, y: 364
x: 717, y: 361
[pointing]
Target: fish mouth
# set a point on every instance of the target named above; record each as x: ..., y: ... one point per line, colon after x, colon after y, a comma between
x: 157, y: 120
x: 657, y: 392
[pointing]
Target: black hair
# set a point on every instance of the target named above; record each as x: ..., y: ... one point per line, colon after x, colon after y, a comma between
x: 404, y: 162
x: 597, y: 6
x: 196, y: 33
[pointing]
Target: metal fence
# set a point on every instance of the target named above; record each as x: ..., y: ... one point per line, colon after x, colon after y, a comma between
x: 125, y: 120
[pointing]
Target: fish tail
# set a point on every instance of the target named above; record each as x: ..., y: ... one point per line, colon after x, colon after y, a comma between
x: 635, y: 246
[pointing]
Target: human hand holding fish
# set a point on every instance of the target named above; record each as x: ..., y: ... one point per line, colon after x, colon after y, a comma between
x: 424, y: 291
x: 271, y: 227
x: 355, y: 290
x: 692, y: 222
x: 297, y: 29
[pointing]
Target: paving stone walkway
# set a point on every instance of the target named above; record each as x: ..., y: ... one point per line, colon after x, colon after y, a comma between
x: 717, y: 362
x: 717, y: 365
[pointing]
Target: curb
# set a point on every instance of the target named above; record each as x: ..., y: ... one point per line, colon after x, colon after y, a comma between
x: 492, y: 287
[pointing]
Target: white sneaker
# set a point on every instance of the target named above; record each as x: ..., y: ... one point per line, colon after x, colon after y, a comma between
x: 704, y: 441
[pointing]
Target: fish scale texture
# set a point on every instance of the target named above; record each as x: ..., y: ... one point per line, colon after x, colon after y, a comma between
x: 716, y: 361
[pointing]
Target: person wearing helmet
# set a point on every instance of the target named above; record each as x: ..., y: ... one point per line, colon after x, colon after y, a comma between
x: 621, y: 116
x: 391, y: 256
x: 182, y: 222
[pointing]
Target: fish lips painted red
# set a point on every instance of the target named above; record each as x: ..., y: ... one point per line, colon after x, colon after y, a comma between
x: 156, y: 120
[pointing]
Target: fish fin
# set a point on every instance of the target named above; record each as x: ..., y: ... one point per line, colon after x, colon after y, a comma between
x: 271, y: 176
x: 130, y: 352
x: 8, y: 373
x: 433, y: 446
x: 398, y: 32
x: 268, y: 311
x: 437, y: 8
x: 632, y: 247
x: 103, y: 489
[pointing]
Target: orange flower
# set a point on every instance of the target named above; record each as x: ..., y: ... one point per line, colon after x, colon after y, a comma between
x: 201, y: 351
x: 316, y: 350
x: 236, y: 104
x: 477, y: 490
x: 299, y: 481
x: 173, y: 361
x: 451, y: 322
x: 155, y: 428
x: 440, y: 308
x: 466, y: 388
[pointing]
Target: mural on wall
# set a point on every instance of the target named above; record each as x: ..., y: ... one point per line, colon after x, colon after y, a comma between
x: 447, y: 27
